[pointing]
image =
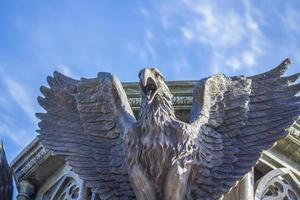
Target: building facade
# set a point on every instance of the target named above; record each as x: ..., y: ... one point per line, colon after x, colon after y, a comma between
x: 40, y: 175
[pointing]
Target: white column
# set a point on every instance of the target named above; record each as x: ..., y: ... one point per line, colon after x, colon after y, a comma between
x: 246, y: 187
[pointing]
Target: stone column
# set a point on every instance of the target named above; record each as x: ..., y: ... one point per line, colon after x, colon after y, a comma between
x: 246, y: 187
x: 25, y: 191
x: 244, y: 190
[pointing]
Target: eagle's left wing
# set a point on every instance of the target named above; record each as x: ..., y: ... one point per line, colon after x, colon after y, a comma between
x: 236, y: 118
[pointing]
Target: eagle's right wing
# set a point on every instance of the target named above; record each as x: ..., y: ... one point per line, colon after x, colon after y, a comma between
x: 86, y: 121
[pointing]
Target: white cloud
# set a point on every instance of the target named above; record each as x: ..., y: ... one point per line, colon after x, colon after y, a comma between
x: 135, y: 49
x: 67, y: 71
x: 9, y: 130
x: 292, y: 18
x: 248, y: 58
x: 233, y: 64
x: 144, y: 48
x: 187, y: 34
x: 216, y: 66
x: 20, y: 95
x: 209, y: 25
x: 234, y: 37
x: 19, y: 137
x: 181, y: 65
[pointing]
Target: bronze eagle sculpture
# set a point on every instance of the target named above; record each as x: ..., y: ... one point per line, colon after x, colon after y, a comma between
x: 157, y: 156
x: 6, y: 182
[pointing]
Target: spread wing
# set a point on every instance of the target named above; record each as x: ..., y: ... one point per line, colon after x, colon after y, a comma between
x: 236, y: 119
x: 6, y: 183
x: 86, y: 122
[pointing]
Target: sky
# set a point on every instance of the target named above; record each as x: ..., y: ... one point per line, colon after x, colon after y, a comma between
x: 186, y: 40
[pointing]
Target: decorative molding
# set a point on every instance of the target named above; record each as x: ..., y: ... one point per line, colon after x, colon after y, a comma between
x: 31, y: 162
x: 29, y: 159
x: 276, y: 159
x: 64, y: 185
x: 178, y: 101
x: 183, y: 101
x: 278, y: 184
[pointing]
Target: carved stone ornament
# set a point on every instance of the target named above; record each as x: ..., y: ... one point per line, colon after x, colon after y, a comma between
x: 157, y: 156
x: 278, y: 184
x: 63, y: 186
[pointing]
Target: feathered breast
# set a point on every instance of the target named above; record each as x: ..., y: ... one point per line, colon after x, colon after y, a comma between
x: 153, y: 146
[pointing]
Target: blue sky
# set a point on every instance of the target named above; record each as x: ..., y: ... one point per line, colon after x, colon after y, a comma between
x: 184, y: 39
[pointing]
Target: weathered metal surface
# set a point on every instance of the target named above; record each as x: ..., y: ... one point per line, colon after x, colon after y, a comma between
x: 233, y: 119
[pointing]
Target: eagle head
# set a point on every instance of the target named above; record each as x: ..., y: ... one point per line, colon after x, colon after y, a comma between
x: 156, y: 97
x: 152, y: 84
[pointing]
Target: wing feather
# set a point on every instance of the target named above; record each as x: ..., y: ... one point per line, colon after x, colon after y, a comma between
x: 86, y: 121
x: 247, y: 115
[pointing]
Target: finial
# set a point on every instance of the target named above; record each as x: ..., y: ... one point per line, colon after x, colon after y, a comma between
x: 1, y: 146
x: 2, y: 152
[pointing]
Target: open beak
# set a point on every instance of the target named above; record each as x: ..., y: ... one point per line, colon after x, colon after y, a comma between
x: 148, y: 84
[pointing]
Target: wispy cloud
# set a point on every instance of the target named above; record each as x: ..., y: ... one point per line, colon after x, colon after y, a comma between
x: 11, y: 130
x: 17, y: 119
x: 17, y: 136
x: 232, y: 33
x: 19, y: 94
x: 67, y: 71
x: 292, y: 18
x: 235, y: 38
x: 209, y: 26
x: 144, y: 47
